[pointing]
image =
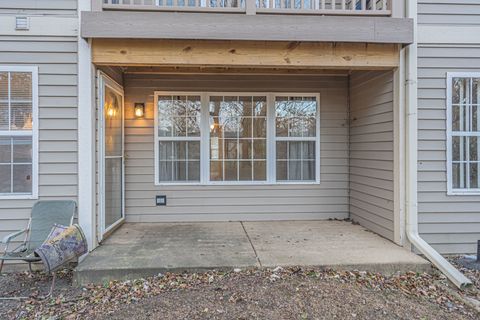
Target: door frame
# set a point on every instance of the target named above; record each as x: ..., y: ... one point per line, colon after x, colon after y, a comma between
x: 103, y: 80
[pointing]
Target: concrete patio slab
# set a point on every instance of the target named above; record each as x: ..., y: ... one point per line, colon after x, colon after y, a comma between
x: 334, y: 244
x: 138, y: 250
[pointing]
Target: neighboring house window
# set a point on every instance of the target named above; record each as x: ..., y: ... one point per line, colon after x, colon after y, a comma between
x: 18, y: 126
x: 463, y: 133
x: 237, y: 138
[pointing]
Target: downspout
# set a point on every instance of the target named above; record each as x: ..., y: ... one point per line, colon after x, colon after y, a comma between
x: 411, y: 213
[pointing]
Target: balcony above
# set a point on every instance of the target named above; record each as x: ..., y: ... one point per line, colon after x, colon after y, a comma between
x: 236, y: 23
x: 315, y: 7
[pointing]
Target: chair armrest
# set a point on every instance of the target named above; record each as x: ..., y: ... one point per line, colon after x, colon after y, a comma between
x: 11, y: 236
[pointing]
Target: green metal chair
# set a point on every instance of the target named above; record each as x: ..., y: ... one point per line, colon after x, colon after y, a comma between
x: 44, y: 215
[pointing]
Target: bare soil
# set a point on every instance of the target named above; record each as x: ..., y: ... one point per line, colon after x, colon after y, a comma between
x: 291, y: 293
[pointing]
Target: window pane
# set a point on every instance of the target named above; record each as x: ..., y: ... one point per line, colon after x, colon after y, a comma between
x: 245, y: 171
x: 5, y: 150
x: 456, y: 118
x: 21, y: 86
x: 282, y: 126
x: 113, y: 123
x: 165, y: 151
x: 5, y: 178
x: 193, y: 150
x: 4, y: 117
x: 475, y: 119
x: 245, y: 149
x: 20, y: 116
x: 459, y: 174
x: 476, y: 91
x: 260, y: 170
x: 179, y: 116
x: 295, y: 170
x: 282, y: 171
x: 22, y: 150
x: 260, y: 149
x: 259, y: 127
x: 461, y: 90
x: 165, y: 170
x: 260, y: 106
x: 308, y: 170
x: 459, y: 148
x: 216, y: 170
x: 245, y: 127
x: 22, y: 178
x: 3, y: 86
x: 230, y: 146
x: 473, y: 149
x: 194, y: 170
x: 474, y: 175
x: 231, y: 171
x: 179, y: 170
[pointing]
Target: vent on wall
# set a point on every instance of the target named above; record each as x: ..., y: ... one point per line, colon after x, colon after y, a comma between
x: 21, y: 23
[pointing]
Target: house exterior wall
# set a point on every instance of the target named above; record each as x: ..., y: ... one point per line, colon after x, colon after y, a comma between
x: 329, y: 199
x: 54, y: 51
x: 447, y: 33
x: 371, y: 151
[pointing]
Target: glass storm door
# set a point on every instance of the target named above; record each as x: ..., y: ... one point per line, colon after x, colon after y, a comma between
x: 111, y: 154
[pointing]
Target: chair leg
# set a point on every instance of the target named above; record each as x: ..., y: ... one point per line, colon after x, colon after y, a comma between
x: 53, y: 284
x: 30, y: 267
x: 1, y: 266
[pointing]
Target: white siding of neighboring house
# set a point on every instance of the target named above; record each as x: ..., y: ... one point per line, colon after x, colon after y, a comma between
x: 371, y: 151
x: 329, y: 199
x: 50, y: 44
x: 450, y: 223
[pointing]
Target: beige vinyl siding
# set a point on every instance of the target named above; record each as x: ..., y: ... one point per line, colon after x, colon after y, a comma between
x: 56, y: 58
x: 371, y: 151
x: 450, y: 223
x: 48, y: 7
x: 329, y: 199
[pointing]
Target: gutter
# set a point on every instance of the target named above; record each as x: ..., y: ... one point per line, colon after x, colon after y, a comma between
x: 411, y: 212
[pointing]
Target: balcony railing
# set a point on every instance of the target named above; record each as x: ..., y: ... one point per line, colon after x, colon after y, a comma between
x: 315, y: 7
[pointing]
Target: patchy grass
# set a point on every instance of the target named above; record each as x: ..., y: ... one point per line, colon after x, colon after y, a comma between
x: 290, y: 293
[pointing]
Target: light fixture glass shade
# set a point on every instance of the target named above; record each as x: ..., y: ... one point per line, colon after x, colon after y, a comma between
x: 139, y: 110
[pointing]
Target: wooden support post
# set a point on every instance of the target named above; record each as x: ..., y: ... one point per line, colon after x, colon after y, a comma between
x: 250, y: 7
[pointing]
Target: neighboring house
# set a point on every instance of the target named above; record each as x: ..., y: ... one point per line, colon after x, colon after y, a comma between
x: 228, y: 110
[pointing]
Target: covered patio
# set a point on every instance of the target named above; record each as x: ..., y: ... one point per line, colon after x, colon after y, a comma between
x: 138, y: 250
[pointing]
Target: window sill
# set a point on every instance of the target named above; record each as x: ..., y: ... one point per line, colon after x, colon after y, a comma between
x: 475, y: 192
x: 18, y: 197
x: 238, y: 184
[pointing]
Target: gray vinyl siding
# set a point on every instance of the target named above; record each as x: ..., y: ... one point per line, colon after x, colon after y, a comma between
x: 56, y: 58
x: 47, y: 7
x: 329, y: 199
x: 450, y: 223
x: 371, y: 151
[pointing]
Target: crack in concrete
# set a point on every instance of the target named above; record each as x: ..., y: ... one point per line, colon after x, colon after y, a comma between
x: 251, y: 244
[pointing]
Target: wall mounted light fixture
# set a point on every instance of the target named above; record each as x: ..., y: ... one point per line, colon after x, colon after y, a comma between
x: 139, y: 110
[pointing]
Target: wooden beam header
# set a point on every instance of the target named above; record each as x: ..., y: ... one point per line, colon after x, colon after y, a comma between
x: 260, y: 27
x: 244, y: 54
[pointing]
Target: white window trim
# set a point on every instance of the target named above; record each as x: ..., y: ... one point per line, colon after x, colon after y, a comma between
x: 34, y: 134
x: 450, y: 189
x: 205, y: 139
